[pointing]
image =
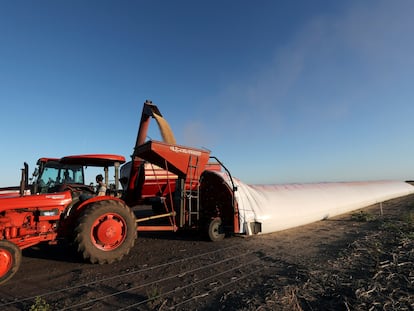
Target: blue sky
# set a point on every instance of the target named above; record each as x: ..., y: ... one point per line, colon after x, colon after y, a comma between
x: 280, y: 91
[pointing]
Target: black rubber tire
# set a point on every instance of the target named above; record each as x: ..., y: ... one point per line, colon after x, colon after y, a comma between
x: 87, y: 231
x: 215, y: 230
x: 11, y: 261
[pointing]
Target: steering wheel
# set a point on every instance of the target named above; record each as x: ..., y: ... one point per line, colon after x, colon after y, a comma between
x: 50, y: 183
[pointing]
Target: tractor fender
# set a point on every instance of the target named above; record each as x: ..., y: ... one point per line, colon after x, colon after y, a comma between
x: 84, y: 204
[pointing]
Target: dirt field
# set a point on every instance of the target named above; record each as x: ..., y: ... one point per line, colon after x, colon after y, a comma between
x: 359, y: 261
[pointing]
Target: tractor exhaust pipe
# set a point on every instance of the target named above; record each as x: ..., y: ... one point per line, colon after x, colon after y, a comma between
x: 23, y: 179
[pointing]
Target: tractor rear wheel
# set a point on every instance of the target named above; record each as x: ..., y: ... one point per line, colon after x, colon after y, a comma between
x: 106, y: 231
x: 10, y: 258
x: 215, y: 230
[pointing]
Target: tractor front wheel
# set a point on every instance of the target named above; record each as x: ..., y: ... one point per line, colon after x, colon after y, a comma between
x: 10, y: 258
x: 106, y: 231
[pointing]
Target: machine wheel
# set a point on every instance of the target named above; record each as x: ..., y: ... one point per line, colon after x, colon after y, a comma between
x: 215, y: 230
x: 106, y: 231
x: 10, y: 258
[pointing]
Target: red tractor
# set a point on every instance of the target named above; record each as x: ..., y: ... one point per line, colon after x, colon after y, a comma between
x: 103, y: 228
x: 179, y: 182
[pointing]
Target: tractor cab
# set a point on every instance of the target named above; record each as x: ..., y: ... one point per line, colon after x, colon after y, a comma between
x: 51, y: 174
x: 68, y: 173
x: 110, y: 163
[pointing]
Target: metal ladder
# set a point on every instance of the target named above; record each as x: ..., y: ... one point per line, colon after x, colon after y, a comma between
x: 190, y: 194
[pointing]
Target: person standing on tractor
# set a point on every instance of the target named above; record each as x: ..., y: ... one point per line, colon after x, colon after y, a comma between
x: 101, y: 186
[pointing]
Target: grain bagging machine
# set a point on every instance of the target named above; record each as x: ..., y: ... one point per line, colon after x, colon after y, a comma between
x: 171, y: 178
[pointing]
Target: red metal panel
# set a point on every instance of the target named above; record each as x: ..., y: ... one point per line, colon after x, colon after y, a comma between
x: 49, y: 200
x: 174, y: 158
